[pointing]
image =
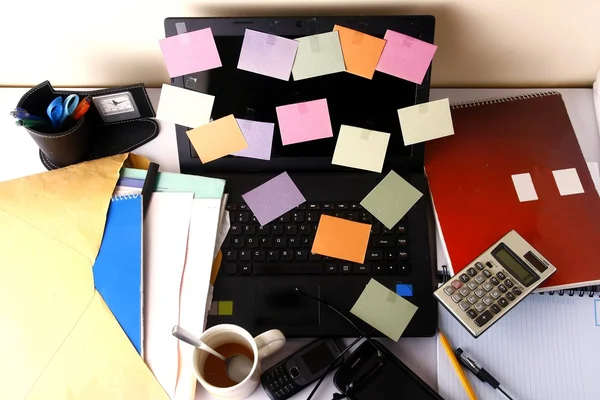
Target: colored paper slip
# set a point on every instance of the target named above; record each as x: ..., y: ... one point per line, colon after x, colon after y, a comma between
x: 217, y: 139
x: 318, y: 55
x: 405, y: 57
x: 391, y: 199
x: 426, y: 121
x: 274, y: 198
x: 361, y: 51
x: 567, y: 181
x: 303, y: 122
x: 268, y: 55
x: 341, y: 238
x: 184, y: 107
x: 384, y: 310
x: 190, y: 52
x: 259, y: 136
x: 360, y: 148
x: 524, y: 187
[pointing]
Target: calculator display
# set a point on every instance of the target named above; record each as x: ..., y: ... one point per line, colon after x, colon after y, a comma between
x: 514, y: 265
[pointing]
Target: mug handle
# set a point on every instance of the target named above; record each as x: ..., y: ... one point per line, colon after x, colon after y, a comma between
x: 269, y: 342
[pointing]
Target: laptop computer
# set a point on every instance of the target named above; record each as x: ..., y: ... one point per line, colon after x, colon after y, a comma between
x: 262, y: 265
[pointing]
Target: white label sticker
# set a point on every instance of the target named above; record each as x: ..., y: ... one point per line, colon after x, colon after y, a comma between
x: 524, y: 187
x: 567, y: 181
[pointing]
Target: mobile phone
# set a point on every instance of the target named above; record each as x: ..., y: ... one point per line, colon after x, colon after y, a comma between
x: 372, y: 372
x: 302, y: 368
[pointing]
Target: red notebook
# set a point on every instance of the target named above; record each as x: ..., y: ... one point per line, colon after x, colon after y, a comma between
x: 476, y: 202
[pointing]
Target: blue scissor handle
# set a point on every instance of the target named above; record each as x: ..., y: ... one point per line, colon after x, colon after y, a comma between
x: 59, y: 111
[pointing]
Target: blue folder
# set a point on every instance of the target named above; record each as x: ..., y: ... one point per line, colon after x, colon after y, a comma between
x: 118, y: 267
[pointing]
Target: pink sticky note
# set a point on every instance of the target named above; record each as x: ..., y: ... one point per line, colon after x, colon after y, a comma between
x: 303, y: 122
x: 259, y: 136
x: 273, y: 198
x: 190, y: 52
x: 267, y: 54
x: 405, y: 57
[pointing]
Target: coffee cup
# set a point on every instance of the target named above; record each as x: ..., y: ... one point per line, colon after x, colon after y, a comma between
x: 228, y: 340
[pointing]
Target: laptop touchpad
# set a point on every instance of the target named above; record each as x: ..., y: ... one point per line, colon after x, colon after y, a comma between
x: 282, y: 305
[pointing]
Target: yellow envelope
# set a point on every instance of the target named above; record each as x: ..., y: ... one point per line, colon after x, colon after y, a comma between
x: 59, y: 340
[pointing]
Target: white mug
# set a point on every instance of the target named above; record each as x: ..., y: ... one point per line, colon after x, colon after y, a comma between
x: 262, y: 346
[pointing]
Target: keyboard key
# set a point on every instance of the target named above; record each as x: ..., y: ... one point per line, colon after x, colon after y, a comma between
x: 315, y: 257
x: 281, y: 243
x: 488, y: 286
x: 245, y: 255
x: 298, y: 216
x: 484, y: 318
x: 339, y: 214
x: 464, y: 291
x: 502, y: 301
x: 313, y: 206
x: 387, y: 231
x: 489, y: 264
x: 231, y: 269
x: 249, y: 229
x: 252, y: 242
x: 230, y: 207
x: 304, y: 229
x: 246, y: 269
x: 464, y: 305
x: 494, y: 280
x: 312, y: 216
x: 259, y: 255
x: 472, y: 299
x: 231, y: 255
x: 495, y: 308
x: 235, y: 229
x: 301, y: 255
x: 517, y: 291
x: 352, y: 215
x: 378, y: 269
x: 403, y: 269
x: 480, y: 279
x: 287, y: 255
x: 375, y: 229
x: 401, y: 229
x: 366, y: 217
x: 243, y: 206
x: 510, y: 296
x: 291, y: 230
x: 509, y: 284
x: 327, y: 206
x: 495, y: 294
x: 402, y: 242
x: 479, y: 292
x: 264, y: 230
x: 239, y: 243
x: 277, y: 229
x: 487, y: 300
x: 479, y: 307
x: 287, y: 268
x: 471, y: 313
x: 486, y: 273
x: 355, y: 206
x: 501, y: 275
x: 464, y: 278
x: 471, y: 271
x: 346, y: 268
x: 403, y: 255
x: 307, y: 242
x: 294, y: 243
x: 374, y: 255
x: 456, y: 284
x: 301, y: 207
x: 392, y: 269
x: 273, y: 255
x: 479, y: 266
x: 341, y: 206
x: 456, y: 297
x: 331, y: 269
x: 362, y: 269
x: 472, y: 285
x: 284, y: 218
x: 502, y: 288
x: 449, y: 290
x: 381, y: 241
x: 266, y: 242
x: 242, y: 216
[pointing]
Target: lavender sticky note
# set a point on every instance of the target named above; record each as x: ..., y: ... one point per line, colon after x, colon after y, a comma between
x: 303, y: 122
x: 273, y: 198
x: 259, y: 136
x: 190, y: 52
x: 267, y: 54
x: 405, y: 57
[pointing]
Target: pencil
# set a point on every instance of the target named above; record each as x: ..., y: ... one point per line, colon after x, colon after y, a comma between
x: 457, y: 367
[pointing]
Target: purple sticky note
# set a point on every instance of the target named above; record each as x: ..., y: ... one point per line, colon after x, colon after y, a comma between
x: 267, y: 54
x: 405, y: 57
x: 303, y: 122
x: 259, y: 136
x: 190, y: 52
x: 273, y: 198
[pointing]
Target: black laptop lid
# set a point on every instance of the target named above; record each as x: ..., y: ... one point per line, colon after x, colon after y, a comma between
x: 352, y: 100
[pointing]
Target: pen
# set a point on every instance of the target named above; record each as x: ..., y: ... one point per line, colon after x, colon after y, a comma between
x: 457, y: 367
x: 22, y: 113
x: 29, y: 123
x: 479, y: 372
x: 82, y: 108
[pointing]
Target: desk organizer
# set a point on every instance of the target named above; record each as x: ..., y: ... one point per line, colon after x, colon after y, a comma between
x: 90, y: 137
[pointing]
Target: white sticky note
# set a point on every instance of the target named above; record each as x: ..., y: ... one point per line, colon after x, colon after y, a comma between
x: 567, y: 181
x: 524, y: 187
x: 595, y: 172
x: 184, y: 107
x: 360, y: 148
x: 426, y: 121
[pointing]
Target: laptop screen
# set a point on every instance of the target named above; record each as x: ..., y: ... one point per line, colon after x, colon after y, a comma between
x: 352, y: 100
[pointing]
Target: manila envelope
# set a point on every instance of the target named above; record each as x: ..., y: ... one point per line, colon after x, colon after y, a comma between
x: 59, y: 340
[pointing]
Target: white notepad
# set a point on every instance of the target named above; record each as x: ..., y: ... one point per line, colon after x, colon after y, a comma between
x: 545, y: 348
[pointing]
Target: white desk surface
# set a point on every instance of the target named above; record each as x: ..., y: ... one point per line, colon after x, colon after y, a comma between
x: 19, y: 157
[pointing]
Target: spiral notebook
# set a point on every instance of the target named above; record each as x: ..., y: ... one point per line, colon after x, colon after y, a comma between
x: 515, y: 163
x: 547, y: 348
x: 118, y: 267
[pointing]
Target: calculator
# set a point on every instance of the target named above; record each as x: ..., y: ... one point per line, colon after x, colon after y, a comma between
x: 494, y: 283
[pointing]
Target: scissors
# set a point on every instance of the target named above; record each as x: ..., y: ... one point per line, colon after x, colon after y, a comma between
x: 59, y: 111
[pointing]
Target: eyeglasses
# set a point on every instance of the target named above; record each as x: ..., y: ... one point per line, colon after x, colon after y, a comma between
x: 360, y: 381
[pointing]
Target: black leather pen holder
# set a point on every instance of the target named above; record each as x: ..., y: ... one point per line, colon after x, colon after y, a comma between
x: 90, y: 137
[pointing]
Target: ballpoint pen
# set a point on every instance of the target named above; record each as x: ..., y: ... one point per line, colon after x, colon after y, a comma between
x: 457, y: 367
x: 479, y: 372
x: 21, y: 113
x: 30, y: 123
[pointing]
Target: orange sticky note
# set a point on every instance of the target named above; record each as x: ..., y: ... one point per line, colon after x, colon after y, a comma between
x: 343, y: 239
x: 217, y: 139
x: 361, y: 51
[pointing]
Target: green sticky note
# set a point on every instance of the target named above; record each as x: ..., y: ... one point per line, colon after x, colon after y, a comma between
x: 391, y: 199
x: 426, y: 121
x: 225, y: 308
x: 318, y: 55
x: 360, y: 148
x: 384, y: 310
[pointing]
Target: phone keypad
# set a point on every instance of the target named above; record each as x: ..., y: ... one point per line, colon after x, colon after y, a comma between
x: 279, y: 383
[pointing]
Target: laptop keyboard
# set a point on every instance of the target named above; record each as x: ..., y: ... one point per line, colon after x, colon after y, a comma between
x: 283, y: 246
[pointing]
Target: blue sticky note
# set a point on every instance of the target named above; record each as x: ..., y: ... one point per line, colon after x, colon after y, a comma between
x: 404, y: 289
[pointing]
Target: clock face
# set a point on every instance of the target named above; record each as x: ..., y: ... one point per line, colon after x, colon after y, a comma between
x: 116, y: 107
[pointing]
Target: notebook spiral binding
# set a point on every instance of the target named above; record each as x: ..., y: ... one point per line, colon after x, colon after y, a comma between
x: 125, y: 197
x: 582, y: 291
x: 495, y: 100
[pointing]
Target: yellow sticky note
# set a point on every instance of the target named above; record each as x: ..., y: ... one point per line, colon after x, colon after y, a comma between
x: 384, y: 310
x: 360, y: 148
x: 343, y: 239
x: 217, y: 139
x: 426, y: 121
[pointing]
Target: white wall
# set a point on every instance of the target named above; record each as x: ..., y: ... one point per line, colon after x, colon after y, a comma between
x: 482, y: 42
